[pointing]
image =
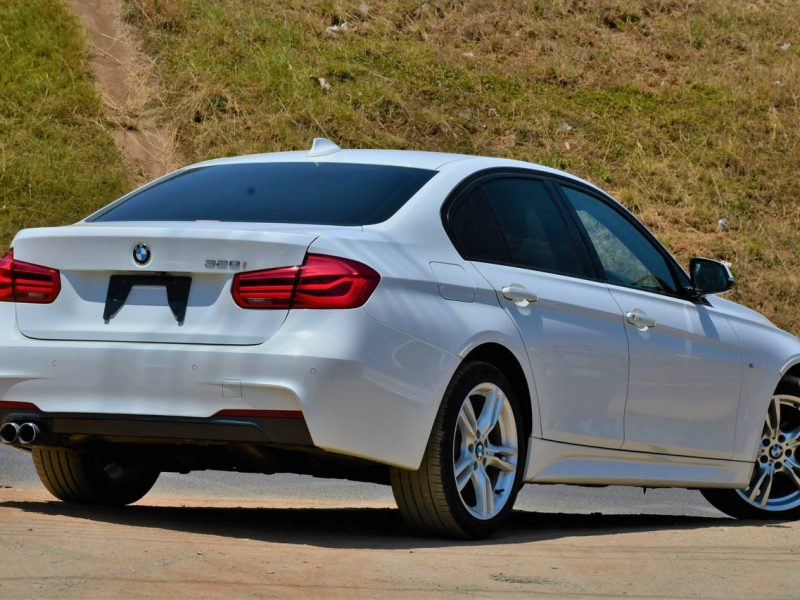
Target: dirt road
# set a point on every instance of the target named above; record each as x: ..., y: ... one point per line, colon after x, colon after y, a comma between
x: 127, y: 87
x: 198, y: 545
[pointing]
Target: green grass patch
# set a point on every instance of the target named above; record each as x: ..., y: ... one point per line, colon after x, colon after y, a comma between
x: 57, y: 163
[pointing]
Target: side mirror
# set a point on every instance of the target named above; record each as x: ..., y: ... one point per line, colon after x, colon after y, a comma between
x: 710, y: 276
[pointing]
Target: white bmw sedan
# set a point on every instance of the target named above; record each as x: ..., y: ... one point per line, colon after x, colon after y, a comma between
x: 454, y: 326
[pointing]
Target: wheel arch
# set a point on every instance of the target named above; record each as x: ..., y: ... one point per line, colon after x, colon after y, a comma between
x: 506, y: 361
x: 792, y: 371
x: 752, y: 413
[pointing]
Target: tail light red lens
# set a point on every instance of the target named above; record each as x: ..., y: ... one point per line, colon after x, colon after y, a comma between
x: 24, y: 282
x: 321, y: 282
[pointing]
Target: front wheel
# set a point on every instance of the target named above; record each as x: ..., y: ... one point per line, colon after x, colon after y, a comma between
x: 774, y: 489
x: 91, y: 477
x: 472, y: 468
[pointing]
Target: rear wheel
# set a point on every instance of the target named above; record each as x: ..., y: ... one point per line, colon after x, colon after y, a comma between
x: 87, y: 477
x: 472, y: 468
x: 774, y: 488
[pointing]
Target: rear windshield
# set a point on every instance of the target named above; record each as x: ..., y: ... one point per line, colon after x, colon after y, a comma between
x: 323, y: 194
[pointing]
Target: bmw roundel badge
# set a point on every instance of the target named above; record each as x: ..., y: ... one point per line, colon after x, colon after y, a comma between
x: 141, y: 254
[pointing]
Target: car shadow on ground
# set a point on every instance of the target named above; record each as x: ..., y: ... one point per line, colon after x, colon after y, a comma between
x: 359, y: 527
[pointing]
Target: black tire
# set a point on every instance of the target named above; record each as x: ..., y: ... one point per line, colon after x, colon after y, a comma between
x: 428, y: 498
x: 732, y: 504
x: 83, y: 477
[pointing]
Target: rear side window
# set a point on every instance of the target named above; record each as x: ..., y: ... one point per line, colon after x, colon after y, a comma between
x: 534, y: 230
x: 476, y: 230
x: 323, y: 194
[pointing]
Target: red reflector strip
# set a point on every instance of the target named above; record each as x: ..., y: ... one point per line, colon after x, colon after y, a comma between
x: 8, y: 405
x: 261, y: 414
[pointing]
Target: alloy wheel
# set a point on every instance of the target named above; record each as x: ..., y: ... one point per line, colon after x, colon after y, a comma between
x: 485, y: 451
x: 775, y: 484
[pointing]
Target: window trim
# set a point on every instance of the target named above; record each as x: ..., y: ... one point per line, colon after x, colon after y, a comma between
x: 461, y: 191
x: 672, y: 264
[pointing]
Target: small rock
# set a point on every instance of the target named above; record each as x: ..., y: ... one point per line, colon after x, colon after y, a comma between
x: 565, y: 127
x: 363, y: 8
x: 323, y: 83
x: 468, y: 54
x: 722, y: 225
x: 335, y: 30
x: 785, y: 46
x: 778, y: 82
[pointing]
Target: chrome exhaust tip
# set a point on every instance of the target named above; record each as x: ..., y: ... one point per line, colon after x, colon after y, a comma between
x: 27, y: 433
x: 9, y: 433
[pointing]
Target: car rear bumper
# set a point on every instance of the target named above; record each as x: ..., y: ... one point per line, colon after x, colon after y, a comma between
x: 282, y: 428
x: 363, y: 389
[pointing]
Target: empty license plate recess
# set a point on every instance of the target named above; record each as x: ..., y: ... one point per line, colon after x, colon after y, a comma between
x: 119, y: 286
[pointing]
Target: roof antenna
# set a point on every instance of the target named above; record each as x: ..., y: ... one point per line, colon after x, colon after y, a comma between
x: 322, y: 147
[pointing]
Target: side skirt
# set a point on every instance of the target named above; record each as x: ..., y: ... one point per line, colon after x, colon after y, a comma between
x: 557, y: 462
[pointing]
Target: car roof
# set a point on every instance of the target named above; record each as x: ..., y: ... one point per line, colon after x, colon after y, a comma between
x: 399, y: 158
x: 437, y: 161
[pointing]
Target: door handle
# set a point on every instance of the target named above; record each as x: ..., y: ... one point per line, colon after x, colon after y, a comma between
x: 638, y: 319
x: 519, y: 295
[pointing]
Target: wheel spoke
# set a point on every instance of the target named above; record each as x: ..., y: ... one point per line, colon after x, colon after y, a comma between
x: 501, y: 457
x: 490, y: 412
x: 793, y: 438
x: 480, y: 483
x: 463, y: 470
x: 774, y: 416
x: 467, y: 422
x: 792, y: 468
x: 767, y: 489
x: 489, y: 494
x: 764, y: 479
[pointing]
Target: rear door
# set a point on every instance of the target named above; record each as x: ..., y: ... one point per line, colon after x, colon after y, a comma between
x: 685, y: 361
x: 202, y: 257
x: 515, y: 234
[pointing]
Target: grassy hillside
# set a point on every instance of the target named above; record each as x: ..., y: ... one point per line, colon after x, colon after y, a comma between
x: 687, y: 111
x: 57, y: 163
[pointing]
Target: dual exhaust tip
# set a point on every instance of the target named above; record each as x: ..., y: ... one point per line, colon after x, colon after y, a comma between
x: 14, y: 433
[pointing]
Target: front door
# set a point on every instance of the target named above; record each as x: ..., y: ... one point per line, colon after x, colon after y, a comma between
x: 517, y: 236
x: 685, y: 361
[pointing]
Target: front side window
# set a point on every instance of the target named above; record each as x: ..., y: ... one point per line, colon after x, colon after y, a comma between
x: 627, y: 256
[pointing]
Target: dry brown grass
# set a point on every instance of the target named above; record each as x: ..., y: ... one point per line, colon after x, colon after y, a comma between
x: 686, y: 110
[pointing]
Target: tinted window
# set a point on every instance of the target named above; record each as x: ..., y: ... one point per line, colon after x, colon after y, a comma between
x: 327, y: 193
x: 476, y: 231
x: 535, y: 232
x: 627, y: 256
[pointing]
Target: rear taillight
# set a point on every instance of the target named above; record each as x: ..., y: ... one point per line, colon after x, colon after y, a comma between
x: 321, y: 282
x: 24, y: 282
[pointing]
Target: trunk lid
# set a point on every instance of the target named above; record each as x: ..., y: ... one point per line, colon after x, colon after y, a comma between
x: 210, y: 254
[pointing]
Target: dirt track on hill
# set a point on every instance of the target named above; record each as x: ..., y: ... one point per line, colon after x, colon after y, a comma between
x: 125, y: 82
x: 228, y: 548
